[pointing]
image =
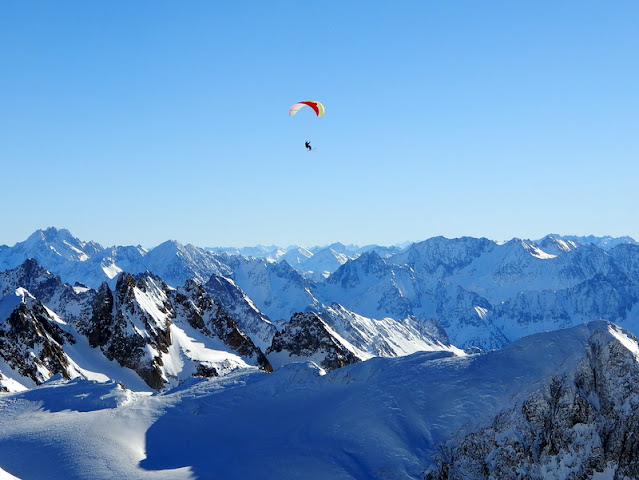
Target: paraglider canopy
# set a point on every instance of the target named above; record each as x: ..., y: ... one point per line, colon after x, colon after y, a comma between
x: 317, y: 107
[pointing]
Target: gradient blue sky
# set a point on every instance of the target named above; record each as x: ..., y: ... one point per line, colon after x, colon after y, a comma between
x: 138, y: 122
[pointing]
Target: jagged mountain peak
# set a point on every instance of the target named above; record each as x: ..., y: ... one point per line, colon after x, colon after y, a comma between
x: 66, y: 244
x: 534, y: 250
x: 518, y: 249
x: 40, y: 282
x: 32, y: 342
x: 52, y: 233
x: 250, y: 319
x: 323, y: 263
x: 173, y: 248
x: 306, y: 337
x: 369, y: 260
x: 339, y: 247
x: 175, y: 263
x: 53, y: 246
x: 167, y: 335
x: 31, y: 268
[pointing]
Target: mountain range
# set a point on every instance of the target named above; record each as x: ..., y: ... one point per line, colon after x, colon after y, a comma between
x: 299, y: 330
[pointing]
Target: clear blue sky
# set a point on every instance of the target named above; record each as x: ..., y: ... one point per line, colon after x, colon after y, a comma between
x: 138, y: 122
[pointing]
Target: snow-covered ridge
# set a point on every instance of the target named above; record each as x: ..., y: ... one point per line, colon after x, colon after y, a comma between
x: 396, y: 417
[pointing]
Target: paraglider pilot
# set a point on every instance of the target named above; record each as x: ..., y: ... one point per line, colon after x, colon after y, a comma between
x: 308, y: 145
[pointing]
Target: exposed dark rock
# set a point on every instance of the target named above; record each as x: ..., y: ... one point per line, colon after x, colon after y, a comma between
x: 204, y: 371
x: 207, y: 315
x: 32, y: 343
x: 307, y: 335
x: 101, y: 322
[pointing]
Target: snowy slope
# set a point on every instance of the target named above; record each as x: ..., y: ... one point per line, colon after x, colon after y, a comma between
x: 382, y: 418
x: 385, y: 337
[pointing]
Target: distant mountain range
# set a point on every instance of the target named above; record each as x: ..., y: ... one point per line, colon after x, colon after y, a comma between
x: 481, y: 293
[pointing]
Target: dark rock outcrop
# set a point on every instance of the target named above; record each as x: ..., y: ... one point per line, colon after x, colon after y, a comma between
x: 32, y: 343
x: 206, y: 314
x: 307, y: 335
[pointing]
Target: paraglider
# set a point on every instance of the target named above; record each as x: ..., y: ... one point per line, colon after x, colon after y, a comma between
x: 317, y: 107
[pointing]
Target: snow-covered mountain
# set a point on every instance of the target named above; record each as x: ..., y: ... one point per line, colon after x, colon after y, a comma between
x: 557, y: 405
x: 168, y: 335
x: 323, y: 263
x: 41, y: 323
x: 313, y: 262
x: 52, y: 247
x: 483, y: 293
x: 143, y: 328
x: 276, y: 289
x: 488, y: 294
x: 583, y: 423
x: 249, y: 318
x: 271, y: 252
x: 296, y: 256
x: 89, y: 263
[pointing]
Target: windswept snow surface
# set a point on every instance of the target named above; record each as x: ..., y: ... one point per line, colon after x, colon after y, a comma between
x: 376, y: 419
x: 79, y: 430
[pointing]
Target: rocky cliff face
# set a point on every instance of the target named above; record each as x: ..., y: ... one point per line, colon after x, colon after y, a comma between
x: 308, y: 338
x: 144, y: 325
x: 579, y: 425
x: 125, y: 328
x: 248, y: 317
x: 32, y: 343
x: 207, y: 315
